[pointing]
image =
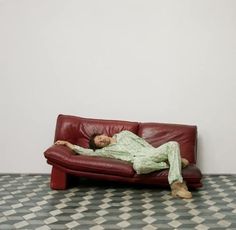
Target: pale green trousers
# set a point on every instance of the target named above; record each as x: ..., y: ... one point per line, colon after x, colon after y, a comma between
x: 156, y: 159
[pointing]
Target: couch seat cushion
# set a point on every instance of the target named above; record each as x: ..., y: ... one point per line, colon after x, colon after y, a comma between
x: 63, y: 156
x: 191, y: 175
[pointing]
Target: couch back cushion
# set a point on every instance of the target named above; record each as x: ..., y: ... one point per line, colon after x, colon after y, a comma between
x: 78, y: 130
x: 159, y: 133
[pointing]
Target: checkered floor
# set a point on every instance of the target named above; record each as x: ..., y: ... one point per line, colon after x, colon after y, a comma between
x: 27, y: 202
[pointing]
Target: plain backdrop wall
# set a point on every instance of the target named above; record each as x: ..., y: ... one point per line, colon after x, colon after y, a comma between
x: 138, y: 60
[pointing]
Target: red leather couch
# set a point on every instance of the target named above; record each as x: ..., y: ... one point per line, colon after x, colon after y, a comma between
x: 77, y: 130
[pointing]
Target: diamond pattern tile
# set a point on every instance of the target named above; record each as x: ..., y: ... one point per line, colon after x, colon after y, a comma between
x: 27, y: 202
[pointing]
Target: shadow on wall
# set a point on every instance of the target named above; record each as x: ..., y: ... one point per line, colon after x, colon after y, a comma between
x: 200, y: 151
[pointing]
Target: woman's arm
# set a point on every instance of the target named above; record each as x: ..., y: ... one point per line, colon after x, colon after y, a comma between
x: 66, y: 143
x: 77, y: 149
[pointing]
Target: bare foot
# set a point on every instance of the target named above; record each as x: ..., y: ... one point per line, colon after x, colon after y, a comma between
x: 184, y: 162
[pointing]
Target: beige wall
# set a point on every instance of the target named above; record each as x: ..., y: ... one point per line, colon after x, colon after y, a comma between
x: 164, y: 61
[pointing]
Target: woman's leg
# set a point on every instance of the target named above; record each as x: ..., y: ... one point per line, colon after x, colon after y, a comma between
x: 144, y: 165
x: 169, y: 152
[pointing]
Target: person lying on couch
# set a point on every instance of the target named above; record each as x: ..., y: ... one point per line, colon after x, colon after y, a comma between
x: 144, y: 157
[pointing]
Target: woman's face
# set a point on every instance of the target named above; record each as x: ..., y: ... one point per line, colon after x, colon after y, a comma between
x: 102, y: 141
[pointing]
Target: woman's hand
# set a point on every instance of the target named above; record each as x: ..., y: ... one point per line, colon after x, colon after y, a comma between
x: 66, y: 143
x: 59, y: 142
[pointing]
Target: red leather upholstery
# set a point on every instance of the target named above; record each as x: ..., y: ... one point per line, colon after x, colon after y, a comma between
x: 77, y: 130
x: 66, y: 158
x: 157, y: 134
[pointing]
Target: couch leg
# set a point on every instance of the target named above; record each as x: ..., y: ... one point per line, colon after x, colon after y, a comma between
x: 58, y: 179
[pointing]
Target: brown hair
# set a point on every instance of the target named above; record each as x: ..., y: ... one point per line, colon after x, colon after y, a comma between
x: 92, y: 144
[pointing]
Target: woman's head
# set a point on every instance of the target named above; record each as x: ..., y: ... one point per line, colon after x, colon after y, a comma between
x: 99, y: 141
